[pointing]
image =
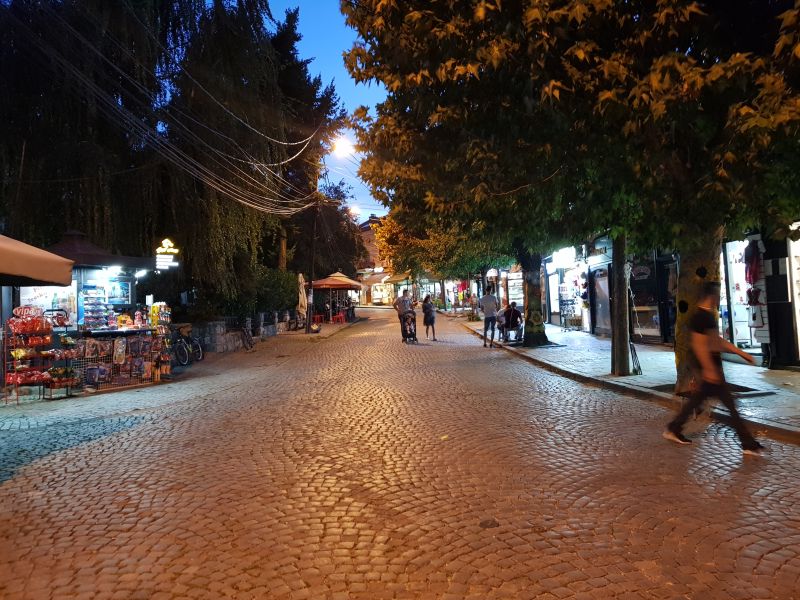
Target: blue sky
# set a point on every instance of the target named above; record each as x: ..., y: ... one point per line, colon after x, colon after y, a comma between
x: 325, y: 38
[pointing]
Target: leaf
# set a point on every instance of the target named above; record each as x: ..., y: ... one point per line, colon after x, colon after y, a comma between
x: 578, y: 13
x: 532, y: 15
x: 796, y: 51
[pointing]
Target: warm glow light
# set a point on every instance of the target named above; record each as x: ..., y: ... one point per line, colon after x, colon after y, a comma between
x: 342, y: 147
x: 355, y: 211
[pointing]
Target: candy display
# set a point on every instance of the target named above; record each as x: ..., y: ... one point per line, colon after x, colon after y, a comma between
x: 109, y: 351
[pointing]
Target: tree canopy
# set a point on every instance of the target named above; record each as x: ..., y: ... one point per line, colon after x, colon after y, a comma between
x: 134, y: 121
x: 564, y: 118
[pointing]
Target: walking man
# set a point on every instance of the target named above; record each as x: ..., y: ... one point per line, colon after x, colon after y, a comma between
x: 706, y: 349
x: 488, y: 304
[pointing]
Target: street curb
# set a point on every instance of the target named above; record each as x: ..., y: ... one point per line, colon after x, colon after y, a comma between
x: 779, y: 431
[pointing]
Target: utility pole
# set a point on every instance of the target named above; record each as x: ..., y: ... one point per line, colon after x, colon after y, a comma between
x: 620, y: 330
x: 310, y: 310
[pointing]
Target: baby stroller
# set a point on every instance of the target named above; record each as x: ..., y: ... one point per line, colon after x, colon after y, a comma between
x: 408, y: 324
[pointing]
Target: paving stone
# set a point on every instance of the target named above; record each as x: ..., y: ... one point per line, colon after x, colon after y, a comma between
x: 357, y: 467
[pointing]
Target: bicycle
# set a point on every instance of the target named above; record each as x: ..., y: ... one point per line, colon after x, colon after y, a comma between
x: 247, y: 339
x: 184, y: 347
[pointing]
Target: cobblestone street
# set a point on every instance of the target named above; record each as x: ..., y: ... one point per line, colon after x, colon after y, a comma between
x: 357, y: 467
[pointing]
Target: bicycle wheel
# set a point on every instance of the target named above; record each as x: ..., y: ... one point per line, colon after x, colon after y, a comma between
x: 182, y: 353
x: 197, y: 350
x: 247, y: 340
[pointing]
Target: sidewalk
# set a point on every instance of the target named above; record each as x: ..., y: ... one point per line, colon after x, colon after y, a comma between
x: 770, y: 400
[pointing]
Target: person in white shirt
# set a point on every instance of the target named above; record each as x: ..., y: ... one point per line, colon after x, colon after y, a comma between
x: 488, y: 304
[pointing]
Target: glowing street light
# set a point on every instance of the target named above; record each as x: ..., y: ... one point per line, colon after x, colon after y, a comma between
x: 342, y: 147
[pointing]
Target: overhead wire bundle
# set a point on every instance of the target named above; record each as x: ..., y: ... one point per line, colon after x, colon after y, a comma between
x: 227, y: 178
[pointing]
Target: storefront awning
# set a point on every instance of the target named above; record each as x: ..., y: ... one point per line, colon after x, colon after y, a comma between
x: 374, y: 278
x: 77, y: 247
x: 24, y: 265
x: 399, y: 278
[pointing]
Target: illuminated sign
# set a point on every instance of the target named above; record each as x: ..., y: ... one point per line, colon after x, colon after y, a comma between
x: 165, y: 255
x: 28, y: 311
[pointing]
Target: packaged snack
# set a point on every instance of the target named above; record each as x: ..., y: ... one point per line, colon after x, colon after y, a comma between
x: 120, y: 344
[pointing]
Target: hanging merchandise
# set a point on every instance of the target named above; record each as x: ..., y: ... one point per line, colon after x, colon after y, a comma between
x: 754, y: 297
x: 752, y: 262
x: 756, y: 317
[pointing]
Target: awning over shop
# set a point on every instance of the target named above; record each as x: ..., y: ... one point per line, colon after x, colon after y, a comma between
x: 24, y: 265
x: 399, y: 278
x: 76, y: 246
x: 337, y: 281
x: 375, y: 278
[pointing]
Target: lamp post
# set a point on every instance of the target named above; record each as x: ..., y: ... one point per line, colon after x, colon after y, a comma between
x: 310, y: 310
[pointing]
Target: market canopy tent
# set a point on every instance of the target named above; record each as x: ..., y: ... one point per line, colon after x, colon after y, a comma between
x: 24, y: 265
x: 336, y: 281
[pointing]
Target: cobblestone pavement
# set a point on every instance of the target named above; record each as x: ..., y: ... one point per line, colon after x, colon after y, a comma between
x: 775, y: 399
x: 358, y: 467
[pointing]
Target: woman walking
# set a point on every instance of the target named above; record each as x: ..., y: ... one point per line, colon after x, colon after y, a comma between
x: 429, y: 316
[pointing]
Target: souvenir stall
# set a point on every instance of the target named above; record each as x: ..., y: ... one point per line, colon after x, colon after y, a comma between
x: 89, y: 334
x: 743, y: 302
x: 567, y: 290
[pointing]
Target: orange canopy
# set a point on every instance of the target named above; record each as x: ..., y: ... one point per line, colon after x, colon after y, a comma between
x: 337, y: 281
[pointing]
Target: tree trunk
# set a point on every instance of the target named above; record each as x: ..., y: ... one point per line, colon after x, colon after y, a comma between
x: 532, y: 287
x: 696, y: 266
x: 444, y: 294
x: 620, y: 331
x: 282, y: 249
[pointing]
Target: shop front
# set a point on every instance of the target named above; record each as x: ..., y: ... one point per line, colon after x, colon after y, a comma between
x: 567, y: 297
x: 744, y: 315
x: 90, y: 334
x: 374, y: 289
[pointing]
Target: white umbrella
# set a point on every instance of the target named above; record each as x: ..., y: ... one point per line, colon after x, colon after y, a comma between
x: 302, y: 299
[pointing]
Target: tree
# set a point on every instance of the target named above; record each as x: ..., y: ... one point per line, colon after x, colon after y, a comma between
x: 338, y: 245
x: 573, y: 116
x: 149, y: 119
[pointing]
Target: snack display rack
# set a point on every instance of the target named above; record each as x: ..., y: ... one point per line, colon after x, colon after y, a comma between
x: 30, y: 358
x: 119, y: 358
x: 39, y: 361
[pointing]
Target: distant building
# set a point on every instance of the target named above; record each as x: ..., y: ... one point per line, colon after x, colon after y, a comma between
x: 371, y: 271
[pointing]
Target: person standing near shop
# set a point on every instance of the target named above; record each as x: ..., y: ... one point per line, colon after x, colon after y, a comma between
x: 429, y: 316
x: 706, y: 349
x: 488, y: 304
x: 402, y: 305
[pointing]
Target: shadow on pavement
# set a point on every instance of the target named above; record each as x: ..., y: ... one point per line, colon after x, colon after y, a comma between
x: 21, y: 447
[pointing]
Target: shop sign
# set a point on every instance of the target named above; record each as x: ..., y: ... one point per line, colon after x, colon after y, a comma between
x: 28, y: 311
x: 165, y: 255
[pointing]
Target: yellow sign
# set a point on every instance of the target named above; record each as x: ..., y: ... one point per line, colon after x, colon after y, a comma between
x: 167, y: 247
x: 165, y: 255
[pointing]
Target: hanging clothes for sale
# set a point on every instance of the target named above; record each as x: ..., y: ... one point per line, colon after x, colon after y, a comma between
x: 754, y: 297
x: 752, y: 262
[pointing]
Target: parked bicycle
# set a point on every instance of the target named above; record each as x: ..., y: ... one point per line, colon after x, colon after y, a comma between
x: 247, y: 338
x: 184, y: 347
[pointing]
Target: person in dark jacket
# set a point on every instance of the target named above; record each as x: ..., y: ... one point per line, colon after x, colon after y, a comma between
x: 429, y: 316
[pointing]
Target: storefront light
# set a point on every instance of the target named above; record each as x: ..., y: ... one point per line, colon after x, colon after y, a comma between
x: 141, y: 273
x: 113, y: 271
x: 564, y: 258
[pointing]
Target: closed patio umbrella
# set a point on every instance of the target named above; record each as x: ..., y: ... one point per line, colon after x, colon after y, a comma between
x: 302, y: 298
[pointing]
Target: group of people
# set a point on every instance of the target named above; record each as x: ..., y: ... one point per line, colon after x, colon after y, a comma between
x: 507, y: 321
x: 405, y: 304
